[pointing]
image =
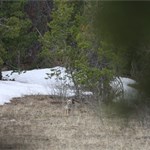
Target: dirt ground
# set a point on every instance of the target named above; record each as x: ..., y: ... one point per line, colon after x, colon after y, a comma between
x: 40, y: 123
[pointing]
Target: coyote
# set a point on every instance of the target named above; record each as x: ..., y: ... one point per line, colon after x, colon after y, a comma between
x: 70, y: 104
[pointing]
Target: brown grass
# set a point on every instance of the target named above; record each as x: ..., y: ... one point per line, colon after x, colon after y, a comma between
x: 39, y: 123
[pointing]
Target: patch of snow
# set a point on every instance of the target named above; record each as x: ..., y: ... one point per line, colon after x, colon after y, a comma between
x: 129, y: 92
x: 36, y: 81
x: 39, y: 76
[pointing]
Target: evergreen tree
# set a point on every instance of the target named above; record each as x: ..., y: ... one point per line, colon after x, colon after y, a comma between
x: 71, y: 42
x: 16, y: 37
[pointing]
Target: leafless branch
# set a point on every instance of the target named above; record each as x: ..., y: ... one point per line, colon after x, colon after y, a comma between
x: 38, y: 32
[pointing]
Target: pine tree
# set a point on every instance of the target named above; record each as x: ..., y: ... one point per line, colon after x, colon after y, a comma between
x: 71, y: 42
x: 16, y: 37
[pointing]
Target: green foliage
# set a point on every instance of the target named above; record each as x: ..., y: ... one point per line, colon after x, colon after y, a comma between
x: 2, y: 56
x: 143, y: 72
x: 126, y: 26
x: 71, y: 41
x: 1, y: 62
x: 15, y: 36
x: 54, y: 41
x: 124, y: 23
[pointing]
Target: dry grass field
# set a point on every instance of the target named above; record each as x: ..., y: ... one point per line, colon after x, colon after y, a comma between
x: 40, y: 123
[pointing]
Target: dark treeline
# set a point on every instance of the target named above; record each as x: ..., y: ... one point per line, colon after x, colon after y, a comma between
x: 21, y: 23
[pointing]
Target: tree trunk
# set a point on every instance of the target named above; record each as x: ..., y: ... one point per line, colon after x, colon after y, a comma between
x: 0, y: 74
x: 39, y: 12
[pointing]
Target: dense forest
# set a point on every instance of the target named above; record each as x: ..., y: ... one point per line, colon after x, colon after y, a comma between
x: 96, y: 42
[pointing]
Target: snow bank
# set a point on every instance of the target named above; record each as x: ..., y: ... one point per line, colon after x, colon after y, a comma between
x: 129, y: 92
x: 39, y: 76
x: 36, y: 81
